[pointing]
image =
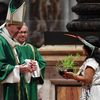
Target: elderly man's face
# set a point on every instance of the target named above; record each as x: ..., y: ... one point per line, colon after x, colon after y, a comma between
x: 14, y: 29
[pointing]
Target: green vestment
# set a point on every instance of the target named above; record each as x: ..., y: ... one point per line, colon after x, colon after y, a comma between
x: 22, y: 90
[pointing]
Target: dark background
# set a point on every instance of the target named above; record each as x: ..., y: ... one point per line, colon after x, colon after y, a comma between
x: 58, y: 38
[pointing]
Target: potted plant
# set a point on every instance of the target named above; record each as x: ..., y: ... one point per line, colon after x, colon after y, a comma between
x: 66, y: 64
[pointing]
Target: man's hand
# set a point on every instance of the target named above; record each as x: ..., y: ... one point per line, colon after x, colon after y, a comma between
x: 24, y: 68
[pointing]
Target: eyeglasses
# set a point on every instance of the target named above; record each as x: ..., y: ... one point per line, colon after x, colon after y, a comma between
x: 21, y: 32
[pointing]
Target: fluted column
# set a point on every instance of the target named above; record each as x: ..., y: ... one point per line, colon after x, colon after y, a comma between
x: 88, y: 20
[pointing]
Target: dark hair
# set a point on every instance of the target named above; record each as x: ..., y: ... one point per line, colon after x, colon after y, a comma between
x: 95, y: 41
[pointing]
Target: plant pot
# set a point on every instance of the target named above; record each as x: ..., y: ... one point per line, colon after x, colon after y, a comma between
x: 70, y: 70
x: 61, y: 72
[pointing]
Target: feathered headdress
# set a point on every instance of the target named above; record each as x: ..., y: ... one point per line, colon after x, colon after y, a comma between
x: 92, y: 47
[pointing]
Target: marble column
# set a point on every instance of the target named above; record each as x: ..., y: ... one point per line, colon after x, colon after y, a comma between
x: 88, y: 20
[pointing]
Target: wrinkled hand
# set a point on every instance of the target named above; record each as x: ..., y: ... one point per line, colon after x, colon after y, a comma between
x: 25, y: 68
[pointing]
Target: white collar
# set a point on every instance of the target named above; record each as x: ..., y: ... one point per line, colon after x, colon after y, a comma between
x: 7, y: 36
x: 6, y: 32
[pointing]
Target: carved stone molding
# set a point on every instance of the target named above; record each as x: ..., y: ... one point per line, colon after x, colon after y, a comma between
x: 88, y: 1
x: 87, y: 9
x: 84, y: 26
x: 88, y: 20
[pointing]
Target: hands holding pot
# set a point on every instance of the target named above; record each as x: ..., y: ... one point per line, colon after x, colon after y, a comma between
x: 68, y: 75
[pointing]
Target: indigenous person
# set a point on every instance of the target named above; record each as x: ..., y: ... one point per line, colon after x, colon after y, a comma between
x: 27, y: 51
x: 89, y: 72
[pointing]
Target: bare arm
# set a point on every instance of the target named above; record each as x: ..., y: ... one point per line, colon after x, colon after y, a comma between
x: 86, y: 79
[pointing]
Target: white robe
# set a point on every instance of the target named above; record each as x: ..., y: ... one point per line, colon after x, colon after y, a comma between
x: 91, y: 92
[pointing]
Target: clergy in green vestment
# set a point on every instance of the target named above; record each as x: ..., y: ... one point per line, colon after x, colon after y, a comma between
x: 14, y: 84
x: 16, y: 76
x: 30, y: 89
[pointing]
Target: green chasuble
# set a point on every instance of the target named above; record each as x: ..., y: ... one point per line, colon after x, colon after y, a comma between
x: 29, y: 90
x: 7, y: 64
x: 22, y: 90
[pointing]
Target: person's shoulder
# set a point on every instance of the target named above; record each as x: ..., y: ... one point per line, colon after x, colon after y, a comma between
x: 1, y: 37
x: 31, y: 45
x: 92, y: 61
